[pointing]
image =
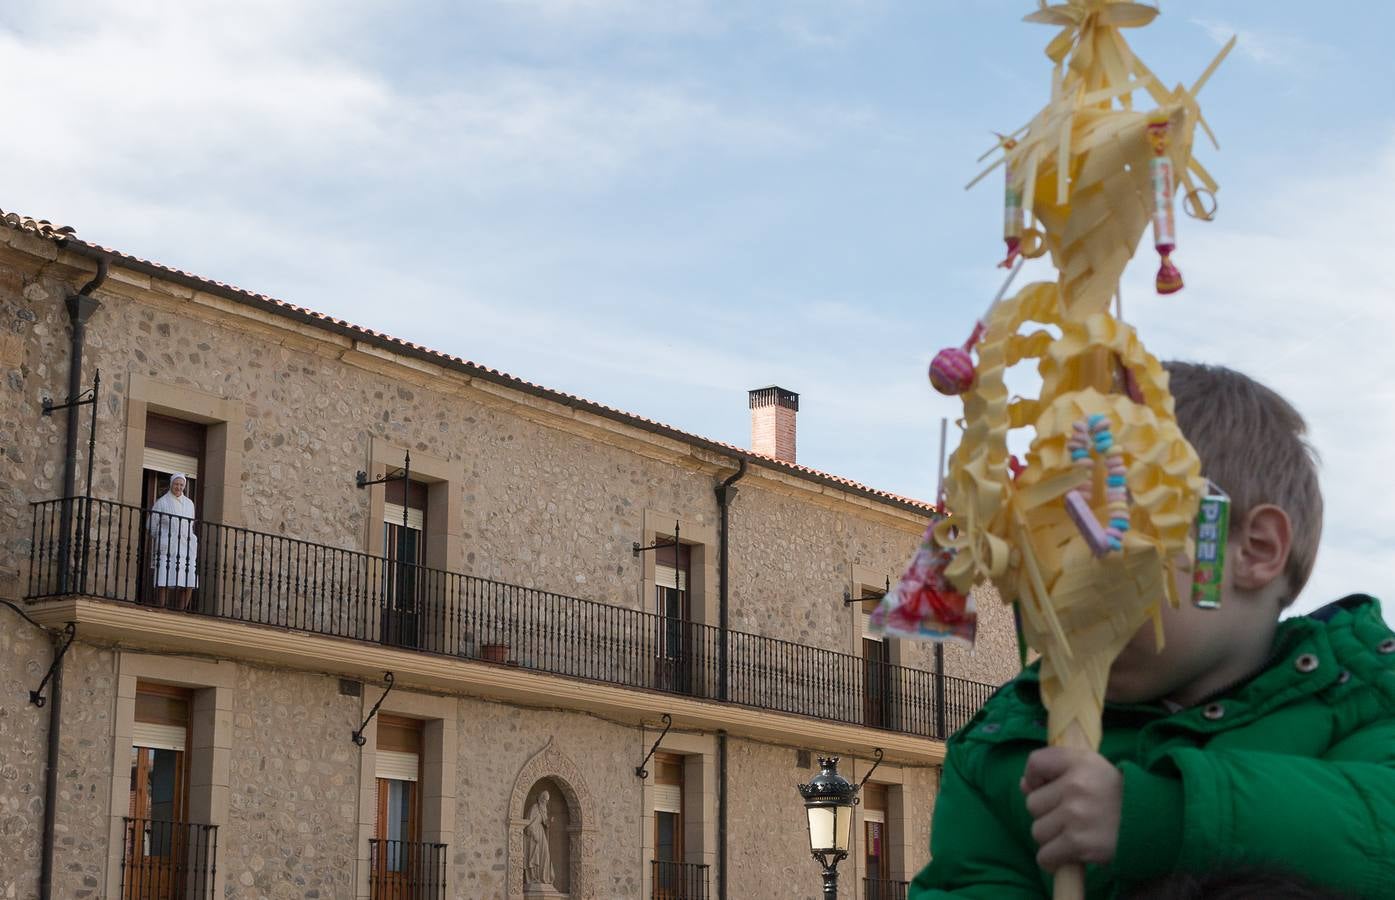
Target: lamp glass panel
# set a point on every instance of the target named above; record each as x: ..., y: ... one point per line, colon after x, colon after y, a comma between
x: 844, y: 827
x: 821, y: 828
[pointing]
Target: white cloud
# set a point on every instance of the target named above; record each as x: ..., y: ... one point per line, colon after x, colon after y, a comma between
x: 1266, y: 47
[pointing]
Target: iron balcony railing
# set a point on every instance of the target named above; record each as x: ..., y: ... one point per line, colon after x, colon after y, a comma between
x: 120, y: 552
x: 406, y: 870
x: 168, y: 860
x: 884, y: 889
x: 678, y: 881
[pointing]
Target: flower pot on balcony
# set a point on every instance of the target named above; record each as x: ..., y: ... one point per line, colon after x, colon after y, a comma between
x: 498, y: 653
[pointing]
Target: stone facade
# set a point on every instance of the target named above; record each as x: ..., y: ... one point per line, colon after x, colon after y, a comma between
x: 527, y: 488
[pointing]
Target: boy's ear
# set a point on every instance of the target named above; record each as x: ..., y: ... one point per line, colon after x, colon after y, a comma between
x: 1262, y: 545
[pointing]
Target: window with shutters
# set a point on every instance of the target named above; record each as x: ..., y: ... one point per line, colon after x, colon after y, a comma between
x: 876, y: 666
x: 668, y: 826
x: 875, y: 839
x: 404, y: 542
x: 673, y: 606
x: 156, y: 835
x: 397, y: 832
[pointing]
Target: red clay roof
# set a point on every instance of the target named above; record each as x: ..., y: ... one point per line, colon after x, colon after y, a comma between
x: 66, y: 236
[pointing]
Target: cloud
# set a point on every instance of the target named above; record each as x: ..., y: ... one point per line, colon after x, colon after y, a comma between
x: 1267, y: 47
x: 223, y: 102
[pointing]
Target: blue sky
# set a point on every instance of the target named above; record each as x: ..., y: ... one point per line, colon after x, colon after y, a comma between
x: 658, y: 204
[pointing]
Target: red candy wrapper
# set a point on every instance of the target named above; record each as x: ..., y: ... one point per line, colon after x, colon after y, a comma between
x: 924, y: 606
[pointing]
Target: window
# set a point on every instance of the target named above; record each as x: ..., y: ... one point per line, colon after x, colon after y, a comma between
x: 169, y: 568
x: 397, y: 832
x: 669, y: 881
x: 876, y: 843
x: 876, y: 667
x: 673, y: 604
x: 404, y: 540
x: 156, y: 836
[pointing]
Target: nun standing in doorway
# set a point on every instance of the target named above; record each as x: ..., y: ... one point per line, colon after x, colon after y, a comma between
x: 176, y: 545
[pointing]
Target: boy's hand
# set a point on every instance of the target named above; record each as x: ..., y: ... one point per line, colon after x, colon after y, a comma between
x: 1076, y: 798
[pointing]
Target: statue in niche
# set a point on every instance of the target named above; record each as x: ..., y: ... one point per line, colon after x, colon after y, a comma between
x: 537, y: 856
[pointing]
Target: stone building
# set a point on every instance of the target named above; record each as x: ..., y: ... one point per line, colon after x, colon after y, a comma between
x: 654, y: 630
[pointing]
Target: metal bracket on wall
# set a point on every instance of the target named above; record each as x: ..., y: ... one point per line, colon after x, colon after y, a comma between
x: 878, y: 751
x: 640, y: 548
x: 640, y: 769
x: 358, y: 734
x: 36, y: 696
x: 849, y: 599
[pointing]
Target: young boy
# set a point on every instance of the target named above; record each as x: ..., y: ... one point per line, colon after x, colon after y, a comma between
x: 1245, y: 743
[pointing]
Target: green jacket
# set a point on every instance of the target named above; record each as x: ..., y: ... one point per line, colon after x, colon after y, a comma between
x: 1293, y: 770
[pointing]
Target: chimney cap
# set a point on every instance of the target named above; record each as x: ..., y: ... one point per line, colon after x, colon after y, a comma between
x: 773, y: 395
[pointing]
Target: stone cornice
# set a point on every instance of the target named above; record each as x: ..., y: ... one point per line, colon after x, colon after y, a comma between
x: 123, y: 625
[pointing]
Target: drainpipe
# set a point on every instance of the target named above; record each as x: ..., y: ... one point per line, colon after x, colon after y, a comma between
x: 724, y: 556
x: 724, y: 494
x: 81, y: 306
x: 55, y: 713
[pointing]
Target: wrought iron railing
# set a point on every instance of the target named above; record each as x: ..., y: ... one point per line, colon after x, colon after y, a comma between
x: 678, y: 881
x: 884, y: 889
x: 121, y: 552
x: 406, y: 870
x: 168, y: 860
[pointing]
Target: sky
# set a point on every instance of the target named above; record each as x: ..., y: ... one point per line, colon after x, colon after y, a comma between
x: 659, y: 204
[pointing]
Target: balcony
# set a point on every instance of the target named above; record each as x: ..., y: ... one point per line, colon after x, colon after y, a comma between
x: 168, y: 860
x: 112, y: 551
x: 678, y: 881
x: 406, y: 870
x: 884, y: 889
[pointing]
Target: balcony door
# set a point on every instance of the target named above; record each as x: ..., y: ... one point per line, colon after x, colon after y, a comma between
x: 156, y: 836
x: 404, y: 539
x: 876, y: 671
x: 396, y: 860
x: 876, y: 844
x: 669, y: 880
x: 171, y: 445
x: 673, y: 604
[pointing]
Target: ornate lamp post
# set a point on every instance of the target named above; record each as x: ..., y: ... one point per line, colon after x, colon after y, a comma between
x: 828, y: 802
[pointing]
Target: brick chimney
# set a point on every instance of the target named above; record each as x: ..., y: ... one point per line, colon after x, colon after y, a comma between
x: 772, y: 422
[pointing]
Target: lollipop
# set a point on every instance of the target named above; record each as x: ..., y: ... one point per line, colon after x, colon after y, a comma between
x: 952, y: 369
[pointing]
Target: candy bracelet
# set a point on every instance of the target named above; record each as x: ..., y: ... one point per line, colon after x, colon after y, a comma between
x: 1094, y: 434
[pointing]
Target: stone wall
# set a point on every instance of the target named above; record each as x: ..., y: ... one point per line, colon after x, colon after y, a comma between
x: 24, y: 658
x: 540, y: 498
x: 290, y: 830
x: 293, y: 803
x: 538, y: 505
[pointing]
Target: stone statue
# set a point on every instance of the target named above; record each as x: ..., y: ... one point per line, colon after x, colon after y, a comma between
x: 537, y: 858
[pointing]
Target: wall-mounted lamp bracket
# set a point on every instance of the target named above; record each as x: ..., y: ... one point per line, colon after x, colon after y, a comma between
x: 878, y: 751
x: 640, y: 548
x: 402, y: 474
x: 36, y: 696
x: 640, y: 769
x: 358, y: 734
x: 849, y: 599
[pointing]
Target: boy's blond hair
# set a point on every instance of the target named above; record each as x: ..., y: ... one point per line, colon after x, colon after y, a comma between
x: 1254, y: 445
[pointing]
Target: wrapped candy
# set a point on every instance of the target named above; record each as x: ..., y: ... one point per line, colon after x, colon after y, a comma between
x: 1012, y: 211
x: 1169, y: 280
x: 923, y: 605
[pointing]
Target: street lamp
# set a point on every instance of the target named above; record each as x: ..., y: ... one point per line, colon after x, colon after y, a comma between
x: 828, y: 801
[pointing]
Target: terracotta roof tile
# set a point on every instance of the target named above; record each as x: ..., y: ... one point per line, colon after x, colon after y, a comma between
x: 67, y: 236
x: 41, y: 227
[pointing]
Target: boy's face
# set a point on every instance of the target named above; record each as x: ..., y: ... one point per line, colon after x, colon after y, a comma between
x: 1198, y: 643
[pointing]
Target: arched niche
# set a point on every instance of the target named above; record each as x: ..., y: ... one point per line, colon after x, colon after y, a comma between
x: 571, y: 809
